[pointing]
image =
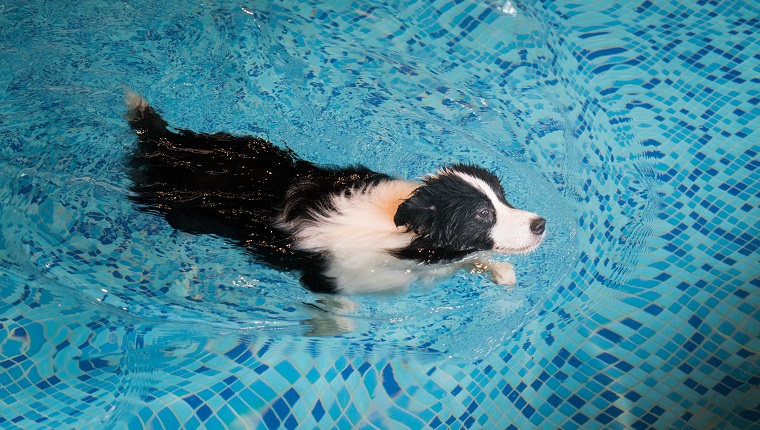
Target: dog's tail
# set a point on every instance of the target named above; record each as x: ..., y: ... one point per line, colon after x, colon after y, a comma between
x: 208, y: 183
x: 142, y: 118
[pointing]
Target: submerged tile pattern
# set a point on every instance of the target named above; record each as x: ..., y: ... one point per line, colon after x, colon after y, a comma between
x: 644, y: 115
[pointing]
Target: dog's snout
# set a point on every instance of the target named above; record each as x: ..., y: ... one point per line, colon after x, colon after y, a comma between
x: 538, y: 226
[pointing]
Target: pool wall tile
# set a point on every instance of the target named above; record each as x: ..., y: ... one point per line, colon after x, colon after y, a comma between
x: 656, y: 326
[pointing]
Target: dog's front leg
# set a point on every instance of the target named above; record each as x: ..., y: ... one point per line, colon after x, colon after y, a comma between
x: 503, y: 273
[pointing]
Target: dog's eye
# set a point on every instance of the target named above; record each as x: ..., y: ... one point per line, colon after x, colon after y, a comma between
x: 484, y: 214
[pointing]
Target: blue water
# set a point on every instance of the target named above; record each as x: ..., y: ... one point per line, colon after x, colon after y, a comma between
x: 630, y: 127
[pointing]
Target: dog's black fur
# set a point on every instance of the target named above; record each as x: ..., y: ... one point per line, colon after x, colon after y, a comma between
x: 234, y: 187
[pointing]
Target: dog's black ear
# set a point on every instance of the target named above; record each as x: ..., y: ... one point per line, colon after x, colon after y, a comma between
x: 416, y: 214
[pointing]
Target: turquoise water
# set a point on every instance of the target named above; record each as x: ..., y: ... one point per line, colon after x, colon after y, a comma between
x: 630, y: 127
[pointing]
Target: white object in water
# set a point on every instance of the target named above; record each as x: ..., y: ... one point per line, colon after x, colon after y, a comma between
x: 509, y: 8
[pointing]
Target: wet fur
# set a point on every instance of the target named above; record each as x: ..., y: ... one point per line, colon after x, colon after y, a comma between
x: 345, y: 230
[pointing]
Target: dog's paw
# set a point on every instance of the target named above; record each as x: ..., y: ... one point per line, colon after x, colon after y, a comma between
x: 503, y: 273
x: 330, y: 316
x: 339, y: 305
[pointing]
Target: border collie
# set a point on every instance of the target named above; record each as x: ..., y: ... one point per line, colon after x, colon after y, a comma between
x: 345, y: 230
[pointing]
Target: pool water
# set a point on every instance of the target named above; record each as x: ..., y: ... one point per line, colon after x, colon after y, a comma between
x: 630, y: 127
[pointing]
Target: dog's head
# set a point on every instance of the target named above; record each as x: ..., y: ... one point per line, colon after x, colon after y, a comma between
x: 463, y: 208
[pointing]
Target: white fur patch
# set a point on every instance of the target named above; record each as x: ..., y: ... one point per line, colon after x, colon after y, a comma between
x: 358, y: 234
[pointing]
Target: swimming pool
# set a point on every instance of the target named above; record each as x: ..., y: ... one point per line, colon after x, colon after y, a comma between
x: 630, y: 127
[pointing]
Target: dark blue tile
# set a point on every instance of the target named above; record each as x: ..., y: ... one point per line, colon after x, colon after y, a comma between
x: 576, y: 401
x: 318, y: 411
x: 610, y: 335
x: 204, y: 412
x: 270, y: 419
x: 389, y: 381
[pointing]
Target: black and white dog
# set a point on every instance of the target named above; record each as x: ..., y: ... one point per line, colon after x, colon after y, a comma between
x: 345, y: 230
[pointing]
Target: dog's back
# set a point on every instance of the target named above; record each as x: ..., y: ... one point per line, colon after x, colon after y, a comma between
x: 235, y: 187
x: 213, y: 183
x: 183, y: 169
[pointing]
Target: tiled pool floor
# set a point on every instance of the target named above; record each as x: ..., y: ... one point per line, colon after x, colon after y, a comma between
x: 635, y: 122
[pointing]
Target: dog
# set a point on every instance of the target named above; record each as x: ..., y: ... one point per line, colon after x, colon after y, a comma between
x: 346, y: 230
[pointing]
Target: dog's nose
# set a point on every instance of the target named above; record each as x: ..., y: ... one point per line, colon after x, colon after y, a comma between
x: 538, y: 225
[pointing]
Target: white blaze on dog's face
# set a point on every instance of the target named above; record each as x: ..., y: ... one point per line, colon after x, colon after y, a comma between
x: 463, y: 208
x: 514, y: 231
